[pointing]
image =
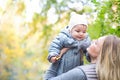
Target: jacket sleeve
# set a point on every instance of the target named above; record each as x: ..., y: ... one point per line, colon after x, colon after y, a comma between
x: 86, y: 42
x: 55, y: 46
x: 74, y: 74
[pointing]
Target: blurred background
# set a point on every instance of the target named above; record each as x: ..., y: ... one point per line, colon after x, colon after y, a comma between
x: 28, y: 26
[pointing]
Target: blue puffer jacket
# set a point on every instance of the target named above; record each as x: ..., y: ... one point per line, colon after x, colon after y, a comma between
x: 71, y: 58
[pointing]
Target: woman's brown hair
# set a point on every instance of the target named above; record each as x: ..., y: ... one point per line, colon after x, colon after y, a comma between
x: 108, y: 65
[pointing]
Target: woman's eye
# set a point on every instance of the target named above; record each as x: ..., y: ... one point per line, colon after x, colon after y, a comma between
x: 96, y: 42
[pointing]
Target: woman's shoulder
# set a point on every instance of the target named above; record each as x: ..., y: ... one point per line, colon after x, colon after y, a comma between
x: 90, y: 71
x: 88, y: 66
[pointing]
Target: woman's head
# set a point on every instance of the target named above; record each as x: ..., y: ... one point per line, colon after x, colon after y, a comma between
x: 108, y: 65
x: 94, y: 48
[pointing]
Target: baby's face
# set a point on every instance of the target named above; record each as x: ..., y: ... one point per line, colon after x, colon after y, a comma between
x: 78, y: 32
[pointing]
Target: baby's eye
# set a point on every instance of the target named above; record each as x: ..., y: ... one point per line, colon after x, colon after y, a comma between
x: 77, y: 31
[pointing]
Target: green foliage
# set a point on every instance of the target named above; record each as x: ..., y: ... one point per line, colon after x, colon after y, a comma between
x: 106, y: 17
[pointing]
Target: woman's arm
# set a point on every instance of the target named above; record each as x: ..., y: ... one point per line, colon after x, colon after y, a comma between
x: 74, y: 74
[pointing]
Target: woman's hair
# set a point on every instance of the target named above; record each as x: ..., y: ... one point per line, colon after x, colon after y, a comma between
x: 108, y: 65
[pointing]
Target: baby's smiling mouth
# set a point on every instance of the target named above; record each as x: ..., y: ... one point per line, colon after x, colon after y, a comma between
x: 79, y: 37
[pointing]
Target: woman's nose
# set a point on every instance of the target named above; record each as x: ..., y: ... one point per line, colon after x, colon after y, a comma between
x: 92, y: 41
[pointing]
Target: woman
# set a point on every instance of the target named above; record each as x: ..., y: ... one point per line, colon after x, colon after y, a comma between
x: 107, y: 66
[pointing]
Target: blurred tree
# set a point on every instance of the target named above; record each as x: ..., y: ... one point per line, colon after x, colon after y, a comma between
x: 101, y: 11
x: 24, y: 42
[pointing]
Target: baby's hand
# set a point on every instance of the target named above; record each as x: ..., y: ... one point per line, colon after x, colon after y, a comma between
x: 54, y: 59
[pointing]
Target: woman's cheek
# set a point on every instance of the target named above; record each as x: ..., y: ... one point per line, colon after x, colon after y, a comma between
x: 89, y: 49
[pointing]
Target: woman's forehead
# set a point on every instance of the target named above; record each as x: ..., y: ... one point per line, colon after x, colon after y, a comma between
x: 101, y: 40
